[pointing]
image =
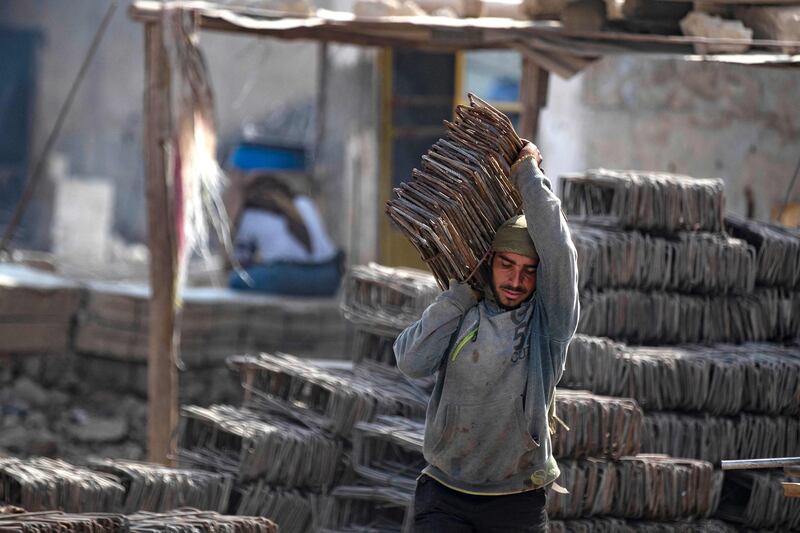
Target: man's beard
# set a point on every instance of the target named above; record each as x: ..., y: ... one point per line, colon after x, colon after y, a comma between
x: 501, y: 305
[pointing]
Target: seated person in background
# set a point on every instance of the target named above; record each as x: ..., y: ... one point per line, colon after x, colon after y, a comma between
x: 281, y: 242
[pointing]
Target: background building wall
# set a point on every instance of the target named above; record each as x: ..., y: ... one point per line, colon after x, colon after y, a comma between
x: 738, y: 123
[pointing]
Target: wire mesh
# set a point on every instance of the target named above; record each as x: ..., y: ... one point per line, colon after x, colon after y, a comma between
x: 777, y: 251
x: 386, y: 299
x: 712, y: 438
x: 650, y: 201
x: 756, y: 500
x: 452, y: 206
x: 331, y: 400
x: 153, y: 487
x: 248, y: 445
x: 689, y: 262
x: 39, y: 484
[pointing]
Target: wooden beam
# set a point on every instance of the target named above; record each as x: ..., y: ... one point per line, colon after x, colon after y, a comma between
x: 533, y: 95
x: 162, y: 373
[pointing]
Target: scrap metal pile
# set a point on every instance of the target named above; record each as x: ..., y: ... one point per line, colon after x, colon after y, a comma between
x: 453, y: 204
x: 660, y: 266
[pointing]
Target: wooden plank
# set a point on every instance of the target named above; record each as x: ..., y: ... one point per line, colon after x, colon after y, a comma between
x: 533, y: 95
x: 791, y: 490
x: 162, y: 374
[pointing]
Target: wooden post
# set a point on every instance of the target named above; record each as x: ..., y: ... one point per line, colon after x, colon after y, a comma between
x: 162, y: 373
x: 533, y: 94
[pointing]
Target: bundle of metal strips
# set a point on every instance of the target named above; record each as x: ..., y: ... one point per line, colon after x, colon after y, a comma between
x: 713, y: 438
x: 756, y: 500
x: 328, y: 399
x: 249, y: 445
x: 61, y: 522
x: 691, y: 262
x: 618, y: 525
x: 40, y: 484
x: 674, y: 318
x: 291, y: 509
x: 591, y: 364
x: 650, y: 201
x: 777, y: 251
x: 657, y: 487
x: 367, y: 509
x: 591, y: 484
x: 388, y: 451
x: 386, y: 299
x: 452, y: 206
x: 599, y: 426
x: 370, y: 346
x: 720, y: 380
x: 189, y: 520
x: 153, y: 487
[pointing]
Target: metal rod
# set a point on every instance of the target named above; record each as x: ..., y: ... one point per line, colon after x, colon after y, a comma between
x: 771, y: 462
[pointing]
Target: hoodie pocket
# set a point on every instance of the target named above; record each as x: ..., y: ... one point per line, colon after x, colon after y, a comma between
x: 483, y: 443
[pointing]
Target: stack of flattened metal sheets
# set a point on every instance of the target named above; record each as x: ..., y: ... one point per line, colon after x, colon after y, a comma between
x: 153, y: 487
x: 36, y: 310
x: 755, y: 500
x: 388, y: 451
x: 61, y: 522
x: 293, y: 510
x: 701, y: 263
x: 592, y: 364
x: 674, y: 318
x: 455, y: 202
x: 618, y: 525
x: 41, y: 484
x: 366, y: 509
x: 189, y: 520
x: 185, y: 520
x: 651, y: 201
x: 386, y: 299
x: 714, y: 438
x: 657, y: 487
x: 642, y: 487
x: 328, y: 399
x: 250, y: 446
x: 114, y: 323
x: 777, y: 251
x: 599, y: 426
x: 720, y: 379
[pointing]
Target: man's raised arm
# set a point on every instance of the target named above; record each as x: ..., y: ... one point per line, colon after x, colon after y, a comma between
x: 421, y: 346
x: 557, y: 275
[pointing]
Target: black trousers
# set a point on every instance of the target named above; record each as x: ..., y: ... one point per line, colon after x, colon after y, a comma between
x: 439, y: 509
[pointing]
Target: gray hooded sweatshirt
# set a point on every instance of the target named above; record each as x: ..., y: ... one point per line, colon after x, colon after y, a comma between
x: 486, y: 428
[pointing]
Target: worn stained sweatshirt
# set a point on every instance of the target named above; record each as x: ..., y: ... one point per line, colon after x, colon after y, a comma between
x: 486, y: 428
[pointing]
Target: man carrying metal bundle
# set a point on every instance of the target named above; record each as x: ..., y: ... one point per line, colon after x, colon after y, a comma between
x: 498, y: 356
